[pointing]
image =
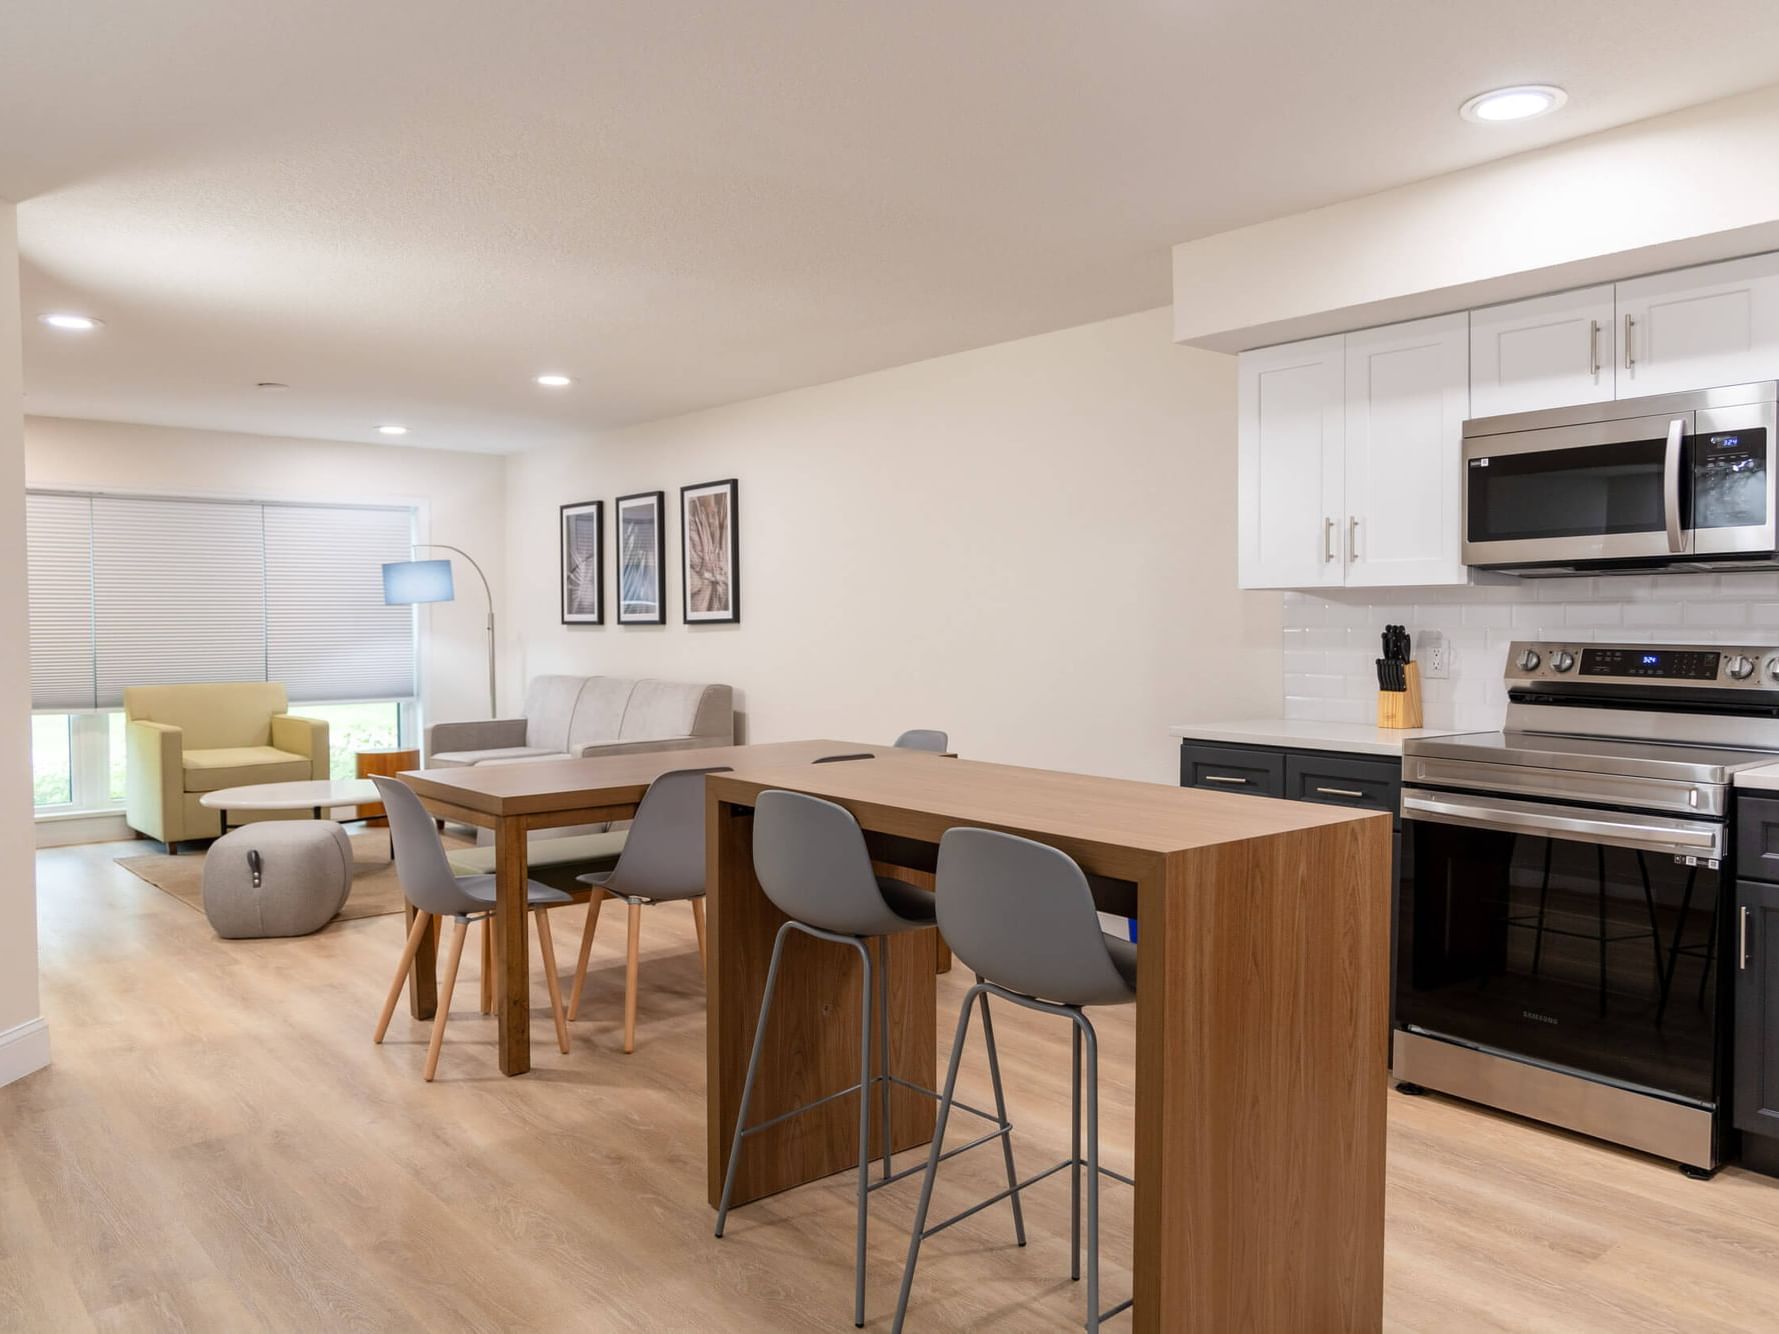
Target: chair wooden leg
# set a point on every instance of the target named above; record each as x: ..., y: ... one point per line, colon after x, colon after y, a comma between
x: 487, y: 965
x: 547, y: 948
x: 409, y: 950
x: 458, y: 933
x: 630, y: 953
x: 698, y: 921
x: 580, y: 967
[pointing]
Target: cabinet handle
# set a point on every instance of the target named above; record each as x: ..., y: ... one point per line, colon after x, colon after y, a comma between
x: 1327, y: 540
x: 1353, y: 537
x: 1742, y: 941
x: 1225, y: 778
x: 1339, y: 792
x: 1593, y: 347
x: 1630, y: 360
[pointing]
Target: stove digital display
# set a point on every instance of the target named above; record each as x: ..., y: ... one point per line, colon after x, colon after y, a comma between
x: 1672, y: 665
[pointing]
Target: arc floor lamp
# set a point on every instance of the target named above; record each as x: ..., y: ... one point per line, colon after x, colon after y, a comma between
x: 407, y: 582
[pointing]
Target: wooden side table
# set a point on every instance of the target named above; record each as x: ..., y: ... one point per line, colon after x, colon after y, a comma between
x: 383, y: 763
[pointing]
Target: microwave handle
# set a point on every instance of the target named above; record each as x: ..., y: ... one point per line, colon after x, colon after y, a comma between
x: 1671, y: 485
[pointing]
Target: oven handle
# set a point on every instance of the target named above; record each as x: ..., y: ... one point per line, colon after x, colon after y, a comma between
x: 1671, y: 484
x: 1613, y: 828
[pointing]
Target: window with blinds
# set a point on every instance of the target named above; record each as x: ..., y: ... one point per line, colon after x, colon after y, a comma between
x: 127, y: 591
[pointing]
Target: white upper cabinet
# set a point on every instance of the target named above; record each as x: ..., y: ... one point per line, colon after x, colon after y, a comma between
x: 1290, y: 465
x: 1407, y: 394
x: 1697, y: 328
x: 1549, y: 352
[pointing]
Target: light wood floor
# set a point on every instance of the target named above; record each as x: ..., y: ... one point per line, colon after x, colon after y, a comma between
x: 218, y: 1146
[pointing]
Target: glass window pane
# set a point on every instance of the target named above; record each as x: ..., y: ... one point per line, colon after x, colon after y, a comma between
x: 52, y: 771
x: 355, y: 727
x: 115, y: 750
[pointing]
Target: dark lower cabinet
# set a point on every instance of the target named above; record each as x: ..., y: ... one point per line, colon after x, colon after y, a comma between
x: 1754, y: 956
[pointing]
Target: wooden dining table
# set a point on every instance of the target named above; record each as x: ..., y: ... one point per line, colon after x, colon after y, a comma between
x: 513, y: 800
x: 1262, y: 1021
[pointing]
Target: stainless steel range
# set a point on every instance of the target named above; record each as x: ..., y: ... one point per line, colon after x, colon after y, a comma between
x: 1561, y: 920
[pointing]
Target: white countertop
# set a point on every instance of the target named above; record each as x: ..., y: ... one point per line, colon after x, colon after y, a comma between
x: 1351, y: 738
x: 1763, y: 779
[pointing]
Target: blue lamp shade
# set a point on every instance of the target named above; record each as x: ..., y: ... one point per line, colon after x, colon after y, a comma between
x: 409, y: 581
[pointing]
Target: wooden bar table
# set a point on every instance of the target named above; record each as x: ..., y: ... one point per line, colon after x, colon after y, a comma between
x: 1262, y: 1022
x: 515, y: 799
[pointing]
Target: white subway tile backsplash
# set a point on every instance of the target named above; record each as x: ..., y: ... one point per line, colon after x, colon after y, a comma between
x: 1330, y: 640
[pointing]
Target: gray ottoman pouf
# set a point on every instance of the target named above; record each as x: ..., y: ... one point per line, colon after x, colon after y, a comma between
x: 277, y: 878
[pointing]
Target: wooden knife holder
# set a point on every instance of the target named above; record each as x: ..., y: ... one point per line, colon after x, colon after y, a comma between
x: 1401, y: 708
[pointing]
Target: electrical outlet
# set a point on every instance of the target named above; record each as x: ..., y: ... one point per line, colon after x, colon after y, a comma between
x: 1435, y: 655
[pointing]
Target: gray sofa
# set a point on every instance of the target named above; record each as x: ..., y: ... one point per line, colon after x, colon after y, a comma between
x: 579, y: 716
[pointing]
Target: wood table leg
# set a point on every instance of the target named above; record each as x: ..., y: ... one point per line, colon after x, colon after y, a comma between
x: 512, y: 959
x: 1262, y: 1053
x: 815, y: 1027
x: 423, y: 987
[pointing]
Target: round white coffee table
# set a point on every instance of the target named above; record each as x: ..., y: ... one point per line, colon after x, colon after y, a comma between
x: 316, y: 795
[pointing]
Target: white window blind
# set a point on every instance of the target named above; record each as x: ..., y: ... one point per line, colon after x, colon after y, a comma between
x: 58, y: 547
x: 329, y: 635
x: 131, y: 591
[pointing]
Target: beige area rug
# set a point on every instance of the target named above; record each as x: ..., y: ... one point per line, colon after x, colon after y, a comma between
x: 375, y: 890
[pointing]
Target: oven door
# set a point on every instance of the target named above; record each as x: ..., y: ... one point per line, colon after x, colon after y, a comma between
x: 1610, y: 490
x: 1580, y: 938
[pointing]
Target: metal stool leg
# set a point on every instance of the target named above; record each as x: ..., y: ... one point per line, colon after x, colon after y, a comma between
x: 747, y: 1084
x: 926, y: 1185
x: 1085, y: 1029
x: 858, y: 1263
x: 1075, y: 1161
x: 994, y: 1075
x: 883, y: 1047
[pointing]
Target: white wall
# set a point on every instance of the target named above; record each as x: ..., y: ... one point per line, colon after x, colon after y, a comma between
x: 1695, y: 185
x: 1031, y: 545
x: 24, y: 1042
x: 1331, y: 639
x: 460, y: 496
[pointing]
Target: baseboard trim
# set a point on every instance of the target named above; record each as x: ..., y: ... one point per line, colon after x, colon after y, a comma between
x: 24, y: 1050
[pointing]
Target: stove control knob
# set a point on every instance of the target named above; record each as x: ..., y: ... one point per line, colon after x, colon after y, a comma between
x: 1561, y: 661
x: 1773, y: 668
x: 1740, y: 668
x: 1527, y: 660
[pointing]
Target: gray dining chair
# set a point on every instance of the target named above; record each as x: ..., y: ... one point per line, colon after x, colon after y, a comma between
x: 662, y: 862
x: 812, y: 863
x: 924, y: 738
x: 435, y: 892
x: 1020, y: 914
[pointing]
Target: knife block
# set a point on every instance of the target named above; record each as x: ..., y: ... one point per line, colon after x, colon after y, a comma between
x: 1401, y: 708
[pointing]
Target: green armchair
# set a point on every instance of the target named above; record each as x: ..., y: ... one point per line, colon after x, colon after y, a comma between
x: 185, y: 740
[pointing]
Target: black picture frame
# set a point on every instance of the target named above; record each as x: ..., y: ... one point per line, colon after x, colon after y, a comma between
x: 715, y: 530
x: 582, y: 564
x: 654, y: 551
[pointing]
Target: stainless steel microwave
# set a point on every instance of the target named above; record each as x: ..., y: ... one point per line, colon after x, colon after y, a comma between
x: 1633, y: 485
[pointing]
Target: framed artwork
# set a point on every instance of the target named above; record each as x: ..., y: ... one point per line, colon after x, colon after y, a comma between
x: 709, y: 552
x: 642, y: 556
x: 583, y: 533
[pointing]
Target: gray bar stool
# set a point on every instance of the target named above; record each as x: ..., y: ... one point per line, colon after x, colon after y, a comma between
x: 811, y: 861
x: 1021, y: 916
x: 923, y: 738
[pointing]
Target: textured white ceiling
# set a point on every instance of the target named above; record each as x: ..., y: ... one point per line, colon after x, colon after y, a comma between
x: 405, y: 208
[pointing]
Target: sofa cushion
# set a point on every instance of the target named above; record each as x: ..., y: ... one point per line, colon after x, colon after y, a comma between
x: 660, y: 709
x: 215, y: 716
x: 460, y: 758
x: 600, y: 712
x: 242, y: 766
x: 544, y: 852
x: 549, y: 708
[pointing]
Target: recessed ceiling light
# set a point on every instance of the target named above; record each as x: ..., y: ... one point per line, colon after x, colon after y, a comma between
x: 392, y: 430
x: 69, y: 320
x: 553, y: 380
x: 1521, y: 102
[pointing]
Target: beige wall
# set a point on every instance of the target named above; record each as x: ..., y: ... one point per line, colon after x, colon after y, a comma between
x: 24, y: 1045
x: 459, y: 495
x: 1695, y: 185
x: 1031, y: 545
